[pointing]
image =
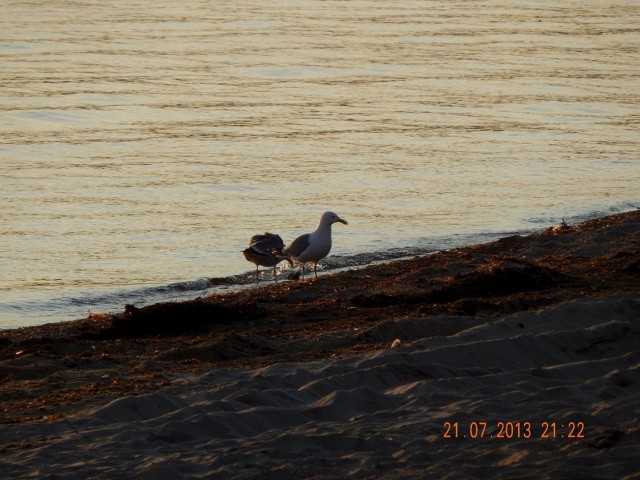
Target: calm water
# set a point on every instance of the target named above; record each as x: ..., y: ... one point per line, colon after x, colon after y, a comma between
x: 143, y: 142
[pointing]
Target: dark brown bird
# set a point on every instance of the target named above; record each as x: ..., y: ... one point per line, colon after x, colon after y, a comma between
x: 266, y: 250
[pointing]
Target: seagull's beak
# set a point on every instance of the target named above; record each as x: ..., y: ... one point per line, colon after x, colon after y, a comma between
x: 343, y: 221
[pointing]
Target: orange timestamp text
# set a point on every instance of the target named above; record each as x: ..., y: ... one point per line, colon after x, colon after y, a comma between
x: 513, y: 430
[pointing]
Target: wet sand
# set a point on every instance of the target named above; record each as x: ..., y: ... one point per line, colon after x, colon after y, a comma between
x: 516, y: 357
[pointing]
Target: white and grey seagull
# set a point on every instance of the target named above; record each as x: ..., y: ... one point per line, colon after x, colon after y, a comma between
x: 266, y: 250
x: 313, y: 247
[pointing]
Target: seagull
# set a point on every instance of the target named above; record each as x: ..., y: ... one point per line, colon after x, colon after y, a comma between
x: 266, y: 250
x: 313, y: 247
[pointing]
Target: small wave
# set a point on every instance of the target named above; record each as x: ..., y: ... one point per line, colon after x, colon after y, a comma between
x: 582, y: 215
x: 192, y: 285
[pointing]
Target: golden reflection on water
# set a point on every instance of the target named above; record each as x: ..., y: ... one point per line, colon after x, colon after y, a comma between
x: 144, y: 142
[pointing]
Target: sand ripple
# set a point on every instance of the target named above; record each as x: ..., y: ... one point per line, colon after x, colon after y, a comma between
x: 378, y: 415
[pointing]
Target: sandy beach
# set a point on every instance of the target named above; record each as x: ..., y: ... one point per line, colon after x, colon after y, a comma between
x: 516, y: 358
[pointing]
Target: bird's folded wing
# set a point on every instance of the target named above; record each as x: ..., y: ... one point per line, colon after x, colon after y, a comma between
x: 298, y: 246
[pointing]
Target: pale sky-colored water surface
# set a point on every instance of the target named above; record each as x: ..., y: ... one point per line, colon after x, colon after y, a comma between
x: 143, y: 142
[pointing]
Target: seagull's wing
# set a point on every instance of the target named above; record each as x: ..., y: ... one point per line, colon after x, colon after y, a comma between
x: 266, y: 242
x: 257, y: 256
x: 257, y: 239
x: 298, y: 246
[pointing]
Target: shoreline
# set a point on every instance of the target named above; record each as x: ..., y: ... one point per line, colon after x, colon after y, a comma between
x: 80, y: 371
x: 63, y: 306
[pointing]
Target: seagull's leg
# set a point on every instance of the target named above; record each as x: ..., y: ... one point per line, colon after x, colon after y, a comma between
x: 302, y: 271
x: 257, y: 280
x: 274, y: 274
x: 315, y: 269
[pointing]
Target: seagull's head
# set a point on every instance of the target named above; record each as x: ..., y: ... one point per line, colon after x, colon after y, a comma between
x: 329, y: 218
